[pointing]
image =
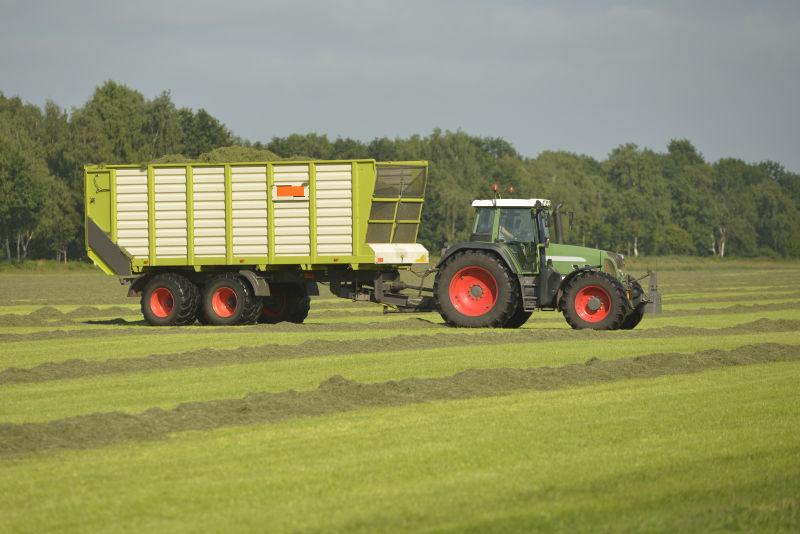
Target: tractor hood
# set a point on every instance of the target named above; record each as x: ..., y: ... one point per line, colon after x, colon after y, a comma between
x: 565, y: 256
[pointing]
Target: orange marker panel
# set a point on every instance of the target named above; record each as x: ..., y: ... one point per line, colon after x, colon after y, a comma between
x: 291, y: 191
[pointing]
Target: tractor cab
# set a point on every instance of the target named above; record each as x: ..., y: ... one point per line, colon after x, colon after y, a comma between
x: 521, y: 228
x: 511, y: 221
x: 518, y: 226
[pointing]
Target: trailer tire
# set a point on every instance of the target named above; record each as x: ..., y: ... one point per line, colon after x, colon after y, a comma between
x: 287, y: 302
x: 594, y: 300
x: 476, y: 289
x: 228, y: 299
x: 170, y: 299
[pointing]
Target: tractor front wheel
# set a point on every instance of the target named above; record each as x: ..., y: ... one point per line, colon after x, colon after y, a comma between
x: 287, y: 302
x: 594, y: 300
x: 475, y: 289
x: 228, y: 300
x: 519, y: 318
x: 170, y: 299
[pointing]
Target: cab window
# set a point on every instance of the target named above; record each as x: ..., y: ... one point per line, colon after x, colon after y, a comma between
x: 516, y: 224
x: 483, y: 221
x: 548, y: 221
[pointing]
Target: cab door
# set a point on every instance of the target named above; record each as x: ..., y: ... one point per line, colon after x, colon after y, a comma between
x: 530, y: 248
x: 517, y: 229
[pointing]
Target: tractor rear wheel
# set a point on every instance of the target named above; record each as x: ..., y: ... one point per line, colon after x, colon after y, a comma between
x: 287, y: 302
x: 170, y: 299
x: 636, y: 315
x: 594, y: 300
x: 228, y: 299
x: 475, y: 289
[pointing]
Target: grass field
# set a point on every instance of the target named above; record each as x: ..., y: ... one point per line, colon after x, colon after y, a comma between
x: 369, y: 422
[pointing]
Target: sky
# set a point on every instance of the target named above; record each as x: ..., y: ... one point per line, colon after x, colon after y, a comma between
x: 582, y: 76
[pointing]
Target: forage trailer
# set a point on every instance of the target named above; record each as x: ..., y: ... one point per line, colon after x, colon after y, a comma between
x: 237, y: 243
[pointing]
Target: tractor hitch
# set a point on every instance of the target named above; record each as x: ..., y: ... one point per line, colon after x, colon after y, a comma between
x: 653, y: 305
x: 637, y: 298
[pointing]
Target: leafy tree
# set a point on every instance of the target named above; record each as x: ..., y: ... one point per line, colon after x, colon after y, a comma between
x: 305, y: 146
x: 59, y: 223
x: 202, y: 132
x: 238, y: 153
x: 637, y: 200
x: 162, y: 126
x: 24, y: 183
x: 641, y: 201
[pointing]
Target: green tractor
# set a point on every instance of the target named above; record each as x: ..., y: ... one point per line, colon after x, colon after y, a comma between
x: 509, y: 268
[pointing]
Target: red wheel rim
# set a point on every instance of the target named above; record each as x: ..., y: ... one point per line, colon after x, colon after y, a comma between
x: 224, y: 302
x: 473, y: 291
x: 162, y: 302
x: 592, y: 304
x: 274, y: 305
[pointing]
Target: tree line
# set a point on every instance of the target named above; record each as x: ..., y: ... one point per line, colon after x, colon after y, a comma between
x: 636, y: 201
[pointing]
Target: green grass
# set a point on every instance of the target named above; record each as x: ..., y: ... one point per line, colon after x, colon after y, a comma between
x: 673, y: 264
x: 716, y: 450
x: 30, y: 353
x: 134, y: 392
x: 640, y: 455
x: 46, y: 266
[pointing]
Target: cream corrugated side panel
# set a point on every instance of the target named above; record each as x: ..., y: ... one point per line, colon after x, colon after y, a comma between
x: 132, y: 220
x: 170, y: 212
x: 334, y: 210
x: 291, y: 210
x: 208, y: 186
x: 249, y: 210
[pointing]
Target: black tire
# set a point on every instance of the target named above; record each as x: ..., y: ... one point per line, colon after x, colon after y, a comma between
x: 170, y: 299
x: 637, y: 314
x: 485, y: 311
x: 633, y: 319
x: 609, y: 295
x: 519, y: 318
x: 287, y: 302
x: 228, y: 299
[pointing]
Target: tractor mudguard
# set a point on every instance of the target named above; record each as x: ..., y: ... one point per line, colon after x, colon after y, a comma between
x: 472, y: 245
x: 503, y: 255
x: 568, y: 278
x: 632, y: 304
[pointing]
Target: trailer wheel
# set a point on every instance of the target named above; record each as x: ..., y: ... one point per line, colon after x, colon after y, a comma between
x: 594, y: 300
x: 287, y: 302
x: 637, y: 314
x: 475, y: 289
x: 170, y: 299
x: 228, y: 300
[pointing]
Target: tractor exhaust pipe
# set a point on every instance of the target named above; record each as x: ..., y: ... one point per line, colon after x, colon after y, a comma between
x: 558, y: 223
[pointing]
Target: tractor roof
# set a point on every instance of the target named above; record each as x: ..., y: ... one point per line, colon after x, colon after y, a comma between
x: 510, y: 203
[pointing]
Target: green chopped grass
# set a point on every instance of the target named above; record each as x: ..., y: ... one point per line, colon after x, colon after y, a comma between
x: 713, y: 451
